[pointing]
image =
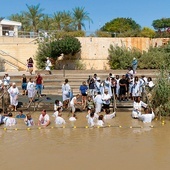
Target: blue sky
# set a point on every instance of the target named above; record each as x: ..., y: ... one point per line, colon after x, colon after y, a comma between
x: 100, y: 11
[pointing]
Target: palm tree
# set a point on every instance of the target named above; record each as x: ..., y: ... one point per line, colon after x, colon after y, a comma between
x: 45, y: 23
x: 57, y: 20
x: 21, y: 18
x: 67, y: 20
x: 79, y: 16
x: 34, y: 16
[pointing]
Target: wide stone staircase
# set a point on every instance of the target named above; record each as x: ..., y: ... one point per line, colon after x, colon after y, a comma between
x: 53, y: 83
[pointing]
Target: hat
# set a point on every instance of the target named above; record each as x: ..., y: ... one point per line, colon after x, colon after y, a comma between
x: 134, y: 58
x: 13, y: 84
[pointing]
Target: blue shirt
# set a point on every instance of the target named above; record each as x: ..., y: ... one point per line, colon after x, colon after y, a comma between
x: 83, y: 89
x: 20, y: 116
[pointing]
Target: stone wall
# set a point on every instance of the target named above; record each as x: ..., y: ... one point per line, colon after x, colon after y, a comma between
x: 94, y: 50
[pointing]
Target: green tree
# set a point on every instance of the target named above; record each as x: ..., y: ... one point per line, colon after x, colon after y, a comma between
x: 45, y: 23
x: 57, y: 21
x: 121, y: 57
x: 21, y: 18
x: 70, y: 45
x: 67, y: 20
x: 162, y: 23
x: 54, y: 49
x: 147, y: 32
x: 34, y: 16
x: 120, y: 25
x: 79, y: 16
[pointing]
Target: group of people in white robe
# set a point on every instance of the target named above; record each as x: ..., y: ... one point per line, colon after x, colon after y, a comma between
x: 100, y: 94
x: 97, y: 95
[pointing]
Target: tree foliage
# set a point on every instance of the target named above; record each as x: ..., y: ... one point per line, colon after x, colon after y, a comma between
x: 162, y: 23
x: 79, y: 16
x: 121, y: 25
x: 121, y: 57
x: 53, y: 49
x: 34, y: 19
x: 154, y: 58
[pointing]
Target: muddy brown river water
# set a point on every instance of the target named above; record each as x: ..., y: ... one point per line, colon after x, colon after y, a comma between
x: 125, y: 146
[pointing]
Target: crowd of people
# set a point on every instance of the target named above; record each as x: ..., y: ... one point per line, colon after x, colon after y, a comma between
x: 96, y: 97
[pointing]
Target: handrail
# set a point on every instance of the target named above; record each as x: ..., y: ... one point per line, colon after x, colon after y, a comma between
x: 3, y: 53
x: 10, y: 63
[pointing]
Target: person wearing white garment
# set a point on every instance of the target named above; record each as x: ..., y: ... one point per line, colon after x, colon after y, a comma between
x: 107, y: 86
x: 10, y: 121
x: 31, y: 88
x: 6, y: 80
x: 135, y: 89
x: 117, y: 86
x: 48, y: 65
x: 59, y: 120
x: 137, y: 107
x: 147, y: 117
x: 66, y: 89
x: 98, y: 102
x: 109, y: 115
x: 90, y: 119
x: 13, y: 92
x: 150, y: 83
x: 97, y: 85
x: 74, y: 102
x: 100, y: 121
x: 106, y: 99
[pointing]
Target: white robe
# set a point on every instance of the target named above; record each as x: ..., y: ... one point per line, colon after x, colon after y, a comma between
x: 13, y: 92
x: 146, y: 118
x: 137, y: 107
x: 65, y: 91
x: 107, y: 86
x: 31, y: 89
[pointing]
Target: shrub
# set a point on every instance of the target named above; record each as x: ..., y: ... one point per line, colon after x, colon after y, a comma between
x: 121, y: 57
x: 53, y: 49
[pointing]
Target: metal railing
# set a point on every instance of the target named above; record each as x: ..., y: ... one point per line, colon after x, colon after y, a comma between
x: 3, y: 53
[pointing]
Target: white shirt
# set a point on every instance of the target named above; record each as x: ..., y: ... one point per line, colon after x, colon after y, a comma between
x: 10, y: 121
x: 59, y: 105
x: 138, y: 106
x: 110, y: 116
x: 55, y: 114
x: 73, y: 100
x: 90, y: 121
x: 98, y: 99
x: 100, y: 123
x: 146, y: 118
x: 59, y: 120
x: 44, y: 119
x: 31, y: 86
x: 106, y: 98
x: 72, y: 119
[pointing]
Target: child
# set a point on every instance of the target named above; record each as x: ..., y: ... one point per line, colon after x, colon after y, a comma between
x: 100, y: 121
x: 28, y: 120
x: 90, y: 102
x: 91, y: 119
x: 73, y: 118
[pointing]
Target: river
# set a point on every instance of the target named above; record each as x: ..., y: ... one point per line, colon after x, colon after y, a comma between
x: 127, y: 144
